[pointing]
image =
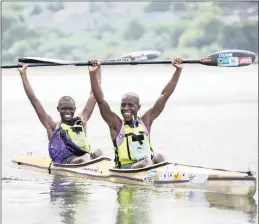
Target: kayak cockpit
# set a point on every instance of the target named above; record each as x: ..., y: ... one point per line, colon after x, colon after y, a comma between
x: 94, y: 161
x: 116, y: 170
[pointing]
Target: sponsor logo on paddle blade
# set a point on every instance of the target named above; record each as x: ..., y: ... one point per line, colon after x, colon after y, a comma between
x: 139, y: 56
x: 223, y: 55
x: 228, y: 61
x: 206, y: 60
x: 245, y: 60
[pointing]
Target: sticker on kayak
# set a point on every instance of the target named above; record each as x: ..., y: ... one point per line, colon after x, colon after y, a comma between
x: 150, y: 177
x: 90, y: 169
x: 170, y: 173
x: 178, y: 175
x: 151, y: 173
x: 196, y: 175
x: 166, y: 174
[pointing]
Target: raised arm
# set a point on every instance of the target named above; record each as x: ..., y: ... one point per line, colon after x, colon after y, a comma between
x: 91, y: 102
x: 44, y: 118
x: 159, y: 105
x: 113, y: 121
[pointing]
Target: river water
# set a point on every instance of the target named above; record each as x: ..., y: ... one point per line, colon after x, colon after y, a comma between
x: 211, y: 120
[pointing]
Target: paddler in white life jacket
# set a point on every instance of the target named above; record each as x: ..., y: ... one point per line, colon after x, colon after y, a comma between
x: 68, y: 142
x: 131, y: 136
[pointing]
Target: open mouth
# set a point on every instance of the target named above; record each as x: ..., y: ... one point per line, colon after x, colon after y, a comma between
x: 128, y: 116
x: 127, y: 113
x: 67, y: 116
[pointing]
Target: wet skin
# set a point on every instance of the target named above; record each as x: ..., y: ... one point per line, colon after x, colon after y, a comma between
x: 130, y: 107
x: 66, y: 108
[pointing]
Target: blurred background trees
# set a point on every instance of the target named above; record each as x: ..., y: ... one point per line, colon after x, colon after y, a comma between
x: 79, y: 30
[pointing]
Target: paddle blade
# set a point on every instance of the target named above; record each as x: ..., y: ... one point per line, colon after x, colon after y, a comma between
x: 139, y: 56
x: 229, y: 58
x: 33, y: 60
x: 31, y: 65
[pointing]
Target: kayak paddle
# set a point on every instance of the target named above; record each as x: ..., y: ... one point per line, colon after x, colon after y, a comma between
x: 224, y: 58
x: 40, y: 61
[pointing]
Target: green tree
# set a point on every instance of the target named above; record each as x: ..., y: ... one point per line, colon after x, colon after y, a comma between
x: 158, y: 6
x: 240, y: 37
x: 188, y: 29
x: 55, y: 6
x: 134, y: 30
x: 204, y: 29
x: 36, y: 10
x: 245, y: 10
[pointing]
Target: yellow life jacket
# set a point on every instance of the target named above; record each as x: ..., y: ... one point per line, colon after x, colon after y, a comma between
x: 132, y: 144
x: 77, y: 134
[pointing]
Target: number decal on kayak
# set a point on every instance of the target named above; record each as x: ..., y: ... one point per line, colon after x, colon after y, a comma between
x: 150, y: 177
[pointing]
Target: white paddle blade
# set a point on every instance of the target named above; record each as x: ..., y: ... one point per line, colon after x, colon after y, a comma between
x: 32, y: 60
x: 139, y: 56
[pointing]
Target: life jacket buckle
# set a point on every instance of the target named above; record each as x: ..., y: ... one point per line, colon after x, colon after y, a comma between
x: 77, y: 129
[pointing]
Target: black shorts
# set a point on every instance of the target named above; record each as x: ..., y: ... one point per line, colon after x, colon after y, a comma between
x: 68, y: 159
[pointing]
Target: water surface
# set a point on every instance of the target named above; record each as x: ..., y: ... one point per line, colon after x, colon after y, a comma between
x: 211, y: 120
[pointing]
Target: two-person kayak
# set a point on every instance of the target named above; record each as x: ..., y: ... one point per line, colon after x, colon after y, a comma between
x: 165, y: 174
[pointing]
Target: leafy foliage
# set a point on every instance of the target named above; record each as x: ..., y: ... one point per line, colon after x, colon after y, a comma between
x: 77, y: 31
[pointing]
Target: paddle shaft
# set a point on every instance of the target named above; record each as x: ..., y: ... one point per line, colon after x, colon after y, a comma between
x: 104, y: 63
x: 140, y: 62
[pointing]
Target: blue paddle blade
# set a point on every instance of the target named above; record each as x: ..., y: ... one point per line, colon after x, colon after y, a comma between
x: 229, y: 58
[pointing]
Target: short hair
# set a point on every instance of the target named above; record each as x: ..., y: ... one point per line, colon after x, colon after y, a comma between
x: 134, y: 96
x: 66, y: 98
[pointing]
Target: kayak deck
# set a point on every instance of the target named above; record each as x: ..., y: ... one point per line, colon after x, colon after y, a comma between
x: 164, y: 174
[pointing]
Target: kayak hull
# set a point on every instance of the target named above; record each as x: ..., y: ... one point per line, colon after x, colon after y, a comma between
x: 164, y: 174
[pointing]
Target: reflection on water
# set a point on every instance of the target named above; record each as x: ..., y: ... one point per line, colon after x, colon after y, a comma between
x: 135, y: 204
x: 233, y: 202
x: 66, y: 194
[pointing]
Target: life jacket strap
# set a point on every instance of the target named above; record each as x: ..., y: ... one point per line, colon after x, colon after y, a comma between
x: 128, y: 149
x: 73, y: 150
x: 116, y: 157
x: 138, y: 138
x: 77, y: 129
x: 49, y: 167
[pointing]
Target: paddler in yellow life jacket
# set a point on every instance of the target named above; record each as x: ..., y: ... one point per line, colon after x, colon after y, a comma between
x: 130, y: 136
x: 68, y: 141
